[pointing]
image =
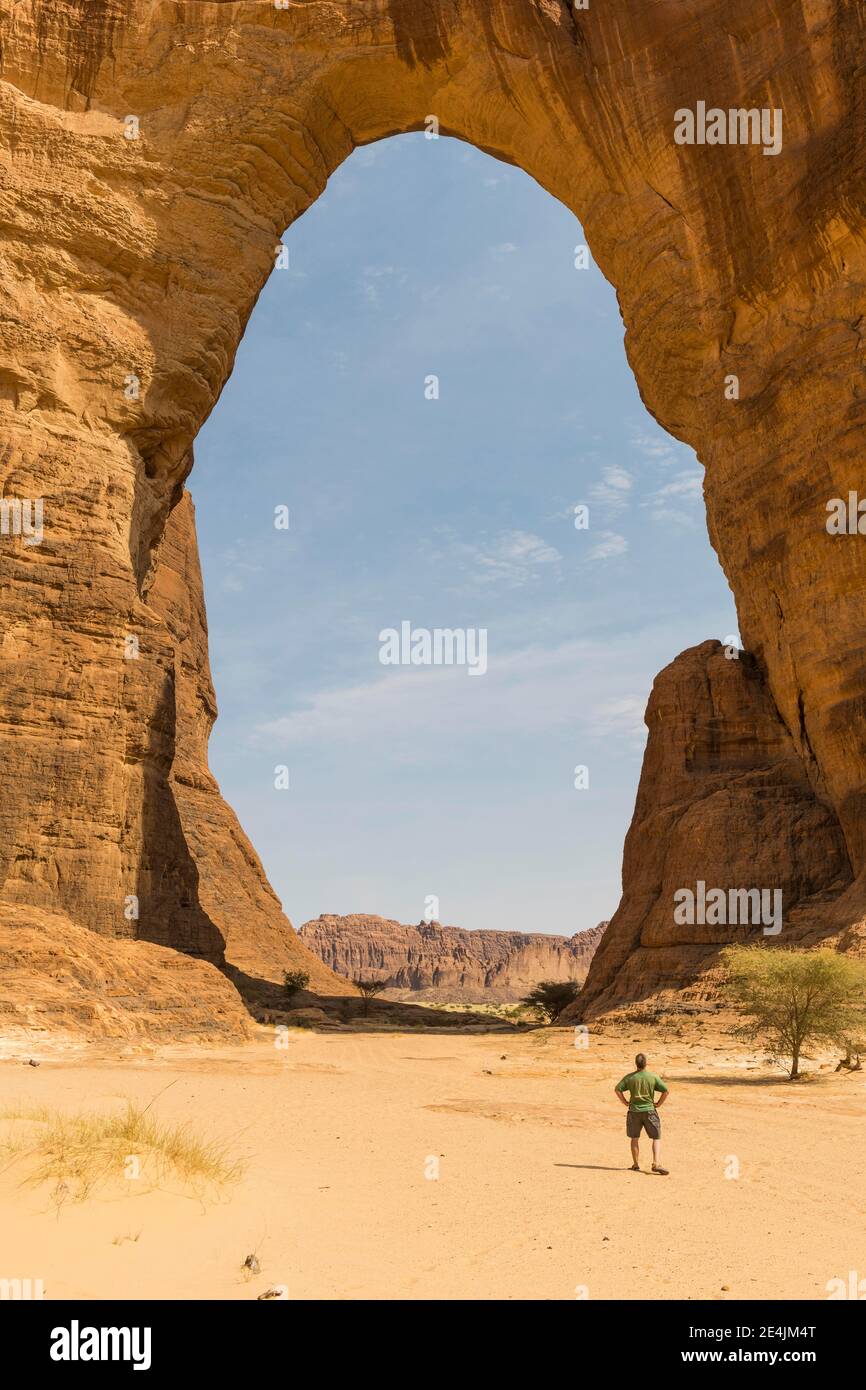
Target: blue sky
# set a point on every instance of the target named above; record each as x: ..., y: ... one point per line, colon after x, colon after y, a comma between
x: 428, y: 257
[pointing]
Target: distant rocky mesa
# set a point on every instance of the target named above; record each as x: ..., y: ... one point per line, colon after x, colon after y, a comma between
x: 448, y: 964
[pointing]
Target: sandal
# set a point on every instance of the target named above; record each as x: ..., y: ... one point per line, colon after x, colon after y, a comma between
x: 662, y: 1172
x: 635, y: 1168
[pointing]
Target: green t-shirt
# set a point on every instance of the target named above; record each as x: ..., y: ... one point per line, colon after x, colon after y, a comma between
x: 642, y: 1086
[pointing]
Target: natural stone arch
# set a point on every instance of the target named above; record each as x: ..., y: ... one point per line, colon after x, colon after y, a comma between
x: 144, y: 258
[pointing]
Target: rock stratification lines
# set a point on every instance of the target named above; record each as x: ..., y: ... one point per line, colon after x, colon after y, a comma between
x: 152, y: 157
x: 448, y: 964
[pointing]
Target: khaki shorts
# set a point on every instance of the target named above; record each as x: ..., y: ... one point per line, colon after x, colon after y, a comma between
x: 637, y: 1120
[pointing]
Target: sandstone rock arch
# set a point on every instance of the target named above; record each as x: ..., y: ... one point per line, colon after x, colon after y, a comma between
x: 141, y: 259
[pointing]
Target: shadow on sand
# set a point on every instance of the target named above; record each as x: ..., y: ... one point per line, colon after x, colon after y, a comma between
x: 708, y: 1080
x: 597, y: 1167
x: 266, y: 1002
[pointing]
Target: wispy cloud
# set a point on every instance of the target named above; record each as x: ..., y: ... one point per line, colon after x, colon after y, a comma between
x: 687, y: 485
x: 608, y: 546
x: 655, y: 445
x: 679, y: 501
x: 510, y: 558
x: 622, y: 718
x: 526, y: 692
x: 613, y: 490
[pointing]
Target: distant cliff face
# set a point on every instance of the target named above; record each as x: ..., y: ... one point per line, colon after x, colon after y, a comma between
x: 448, y: 964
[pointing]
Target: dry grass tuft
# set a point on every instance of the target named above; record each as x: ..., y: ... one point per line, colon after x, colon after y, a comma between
x: 78, y: 1153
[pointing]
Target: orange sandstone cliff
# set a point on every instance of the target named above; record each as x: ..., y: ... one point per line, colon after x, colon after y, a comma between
x: 151, y: 156
x: 448, y: 964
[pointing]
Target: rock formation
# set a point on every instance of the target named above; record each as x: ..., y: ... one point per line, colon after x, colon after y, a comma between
x: 448, y: 964
x: 204, y: 889
x: 61, y: 981
x: 232, y: 890
x: 152, y: 157
x: 723, y: 799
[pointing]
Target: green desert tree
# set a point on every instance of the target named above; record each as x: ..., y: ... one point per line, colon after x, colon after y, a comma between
x: 369, y: 989
x: 551, y: 997
x: 790, y: 999
x: 294, y: 981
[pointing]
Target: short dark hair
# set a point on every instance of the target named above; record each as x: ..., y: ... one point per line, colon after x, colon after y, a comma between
x: 640, y: 1061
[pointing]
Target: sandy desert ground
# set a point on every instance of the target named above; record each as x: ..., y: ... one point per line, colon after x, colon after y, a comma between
x: 533, y: 1198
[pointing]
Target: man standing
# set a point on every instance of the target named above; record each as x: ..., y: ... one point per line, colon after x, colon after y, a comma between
x: 642, y: 1113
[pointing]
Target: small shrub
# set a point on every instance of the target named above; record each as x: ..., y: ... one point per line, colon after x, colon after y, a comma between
x: 294, y: 981
x: 369, y: 989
